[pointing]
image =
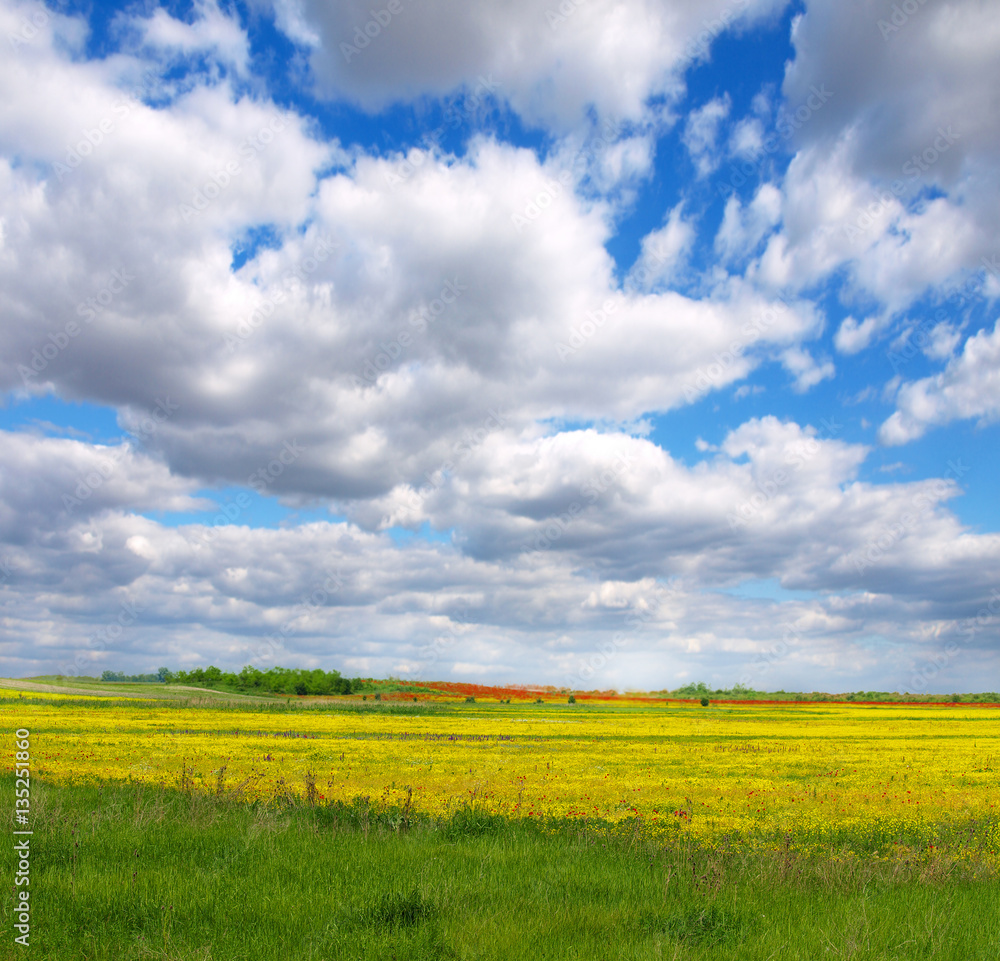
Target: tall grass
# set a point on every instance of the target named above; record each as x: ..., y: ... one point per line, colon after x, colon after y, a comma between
x: 137, y: 873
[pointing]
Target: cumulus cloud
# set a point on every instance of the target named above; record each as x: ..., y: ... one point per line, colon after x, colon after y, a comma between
x: 439, y: 340
x: 649, y: 550
x: 969, y: 386
x: 701, y: 132
x: 551, y: 62
x: 899, y: 155
x: 854, y: 335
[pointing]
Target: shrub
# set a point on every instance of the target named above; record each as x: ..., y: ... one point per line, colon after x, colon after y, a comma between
x: 470, y: 699
x: 572, y: 700
x: 704, y: 702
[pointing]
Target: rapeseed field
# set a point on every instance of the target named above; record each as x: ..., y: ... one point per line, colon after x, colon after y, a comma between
x: 886, y: 779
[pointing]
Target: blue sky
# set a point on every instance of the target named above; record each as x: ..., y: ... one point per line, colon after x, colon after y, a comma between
x: 599, y: 344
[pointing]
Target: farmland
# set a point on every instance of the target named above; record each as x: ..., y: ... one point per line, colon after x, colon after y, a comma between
x: 731, y: 794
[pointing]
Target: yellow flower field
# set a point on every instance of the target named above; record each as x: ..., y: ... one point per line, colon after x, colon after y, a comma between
x: 813, y: 771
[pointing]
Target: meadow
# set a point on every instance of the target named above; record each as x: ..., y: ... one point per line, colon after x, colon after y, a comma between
x: 204, y: 827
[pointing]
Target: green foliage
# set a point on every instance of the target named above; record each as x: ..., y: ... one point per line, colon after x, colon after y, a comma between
x: 572, y: 700
x: 276, y: 680
x: 118, y: 677
x: 347, y: 882
x: 705, y: 702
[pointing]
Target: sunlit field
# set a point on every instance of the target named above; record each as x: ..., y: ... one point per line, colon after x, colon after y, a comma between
x: 881, y: 775
x: 606, y: 830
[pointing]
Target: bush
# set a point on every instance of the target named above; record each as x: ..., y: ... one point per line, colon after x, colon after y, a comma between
x: 470, y: 699
x: 572, y: 700
x: 704, y: 702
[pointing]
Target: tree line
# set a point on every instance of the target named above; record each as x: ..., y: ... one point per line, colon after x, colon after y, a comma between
x: 275, y: 680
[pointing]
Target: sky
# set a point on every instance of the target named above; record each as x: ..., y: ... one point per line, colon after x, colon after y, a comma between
x: 594, y: 343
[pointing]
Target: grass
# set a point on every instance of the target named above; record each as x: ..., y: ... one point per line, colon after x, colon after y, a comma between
x: 138, y: 873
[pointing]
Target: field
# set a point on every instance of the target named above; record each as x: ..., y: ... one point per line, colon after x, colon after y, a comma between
x: 220, y: 827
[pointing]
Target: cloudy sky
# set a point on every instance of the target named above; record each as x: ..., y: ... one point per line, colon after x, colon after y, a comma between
x: 607, y: 343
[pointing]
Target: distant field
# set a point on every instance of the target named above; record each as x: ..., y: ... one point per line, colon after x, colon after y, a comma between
x: 396, y: 829
x: 85, y: 685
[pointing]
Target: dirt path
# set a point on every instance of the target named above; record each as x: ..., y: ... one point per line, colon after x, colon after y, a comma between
x: 155, y: 692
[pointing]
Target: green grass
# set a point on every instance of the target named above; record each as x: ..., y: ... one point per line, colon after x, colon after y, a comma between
x: 134, y: 873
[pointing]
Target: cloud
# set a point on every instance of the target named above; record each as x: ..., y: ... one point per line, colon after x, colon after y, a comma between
x: 743, y: 228
x: 853, y: 336
x: 664, y: 252
x: 211, y: 31
x: 701, y: 132
x: 650, y: 553
x: 969, y: 386
x: 551, y: 63
x: 437, y: 340
x: 899, y: 155
x: 399, y: 287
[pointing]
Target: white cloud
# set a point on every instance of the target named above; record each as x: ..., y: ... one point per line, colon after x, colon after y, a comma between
x: 664, y: 252
x: 778, y: 501
x: 550, y: 66
x: 743, y: 228
x: 803, y: 366
x: 853, y: 336
x: 701, y: 132
x: 747, y: 138
x: 907, y: 112
x: 210, y: 31
x: 413, y: 339
x: 968, y: 387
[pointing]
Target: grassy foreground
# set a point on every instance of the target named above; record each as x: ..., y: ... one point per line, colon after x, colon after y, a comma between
x: 128, y: 872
